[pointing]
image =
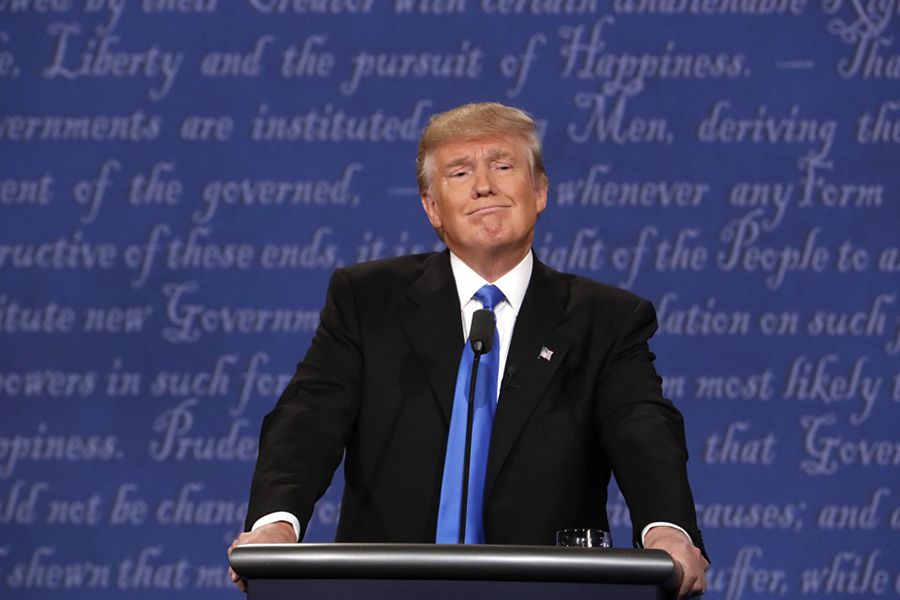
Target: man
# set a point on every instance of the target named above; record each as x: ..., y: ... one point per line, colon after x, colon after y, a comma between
x: 578, y: 395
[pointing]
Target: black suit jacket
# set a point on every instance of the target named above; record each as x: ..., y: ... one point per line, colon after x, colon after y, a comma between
x: 378, y: 383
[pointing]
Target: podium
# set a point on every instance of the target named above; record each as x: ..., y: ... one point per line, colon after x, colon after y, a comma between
x: 452, y: 572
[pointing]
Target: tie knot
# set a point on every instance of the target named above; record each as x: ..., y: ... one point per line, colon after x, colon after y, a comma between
x: 490, y: 296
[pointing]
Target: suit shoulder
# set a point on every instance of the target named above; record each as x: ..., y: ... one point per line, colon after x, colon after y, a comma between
x: 388, y: 271
x: 384, y: 284
x: 587, y: 291
x: 606, y: 310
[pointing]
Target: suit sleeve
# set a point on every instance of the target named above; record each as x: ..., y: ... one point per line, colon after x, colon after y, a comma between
x: 302, y: 440
x: 642, y: 434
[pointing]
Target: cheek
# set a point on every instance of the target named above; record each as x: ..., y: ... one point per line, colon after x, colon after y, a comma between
x: 433, y: 211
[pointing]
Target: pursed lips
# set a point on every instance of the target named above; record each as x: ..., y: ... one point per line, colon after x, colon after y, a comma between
x: 485, y: 209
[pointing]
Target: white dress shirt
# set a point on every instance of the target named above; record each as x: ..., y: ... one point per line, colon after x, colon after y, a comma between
x: 513, y: 285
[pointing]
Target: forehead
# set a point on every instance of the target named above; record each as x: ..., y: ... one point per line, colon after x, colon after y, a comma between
x: 482, y: 147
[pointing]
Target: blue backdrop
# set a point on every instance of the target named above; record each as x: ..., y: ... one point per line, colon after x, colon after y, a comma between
x: 179, y: 178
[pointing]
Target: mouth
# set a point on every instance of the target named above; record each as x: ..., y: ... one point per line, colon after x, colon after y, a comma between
x: 488, y: 209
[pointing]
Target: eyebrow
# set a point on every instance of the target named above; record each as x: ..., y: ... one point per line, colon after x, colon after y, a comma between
x: 494, y: 154
x: 458, y: 162
x: 498, y: 153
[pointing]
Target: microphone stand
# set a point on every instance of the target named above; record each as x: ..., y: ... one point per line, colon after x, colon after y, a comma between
x: 470, y: 417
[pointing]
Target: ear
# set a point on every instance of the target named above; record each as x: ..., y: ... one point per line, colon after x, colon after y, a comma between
x: 429, y: 204
x: 541, y: 194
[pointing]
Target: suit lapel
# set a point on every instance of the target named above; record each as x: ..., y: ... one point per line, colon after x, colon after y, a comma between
x: 535, y: 333
x: 434, y: 327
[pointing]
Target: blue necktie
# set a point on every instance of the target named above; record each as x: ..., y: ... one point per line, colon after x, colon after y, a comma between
x: 485, y: 405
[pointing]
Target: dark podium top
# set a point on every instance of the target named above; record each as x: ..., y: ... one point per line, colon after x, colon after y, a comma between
x: 436, y: 572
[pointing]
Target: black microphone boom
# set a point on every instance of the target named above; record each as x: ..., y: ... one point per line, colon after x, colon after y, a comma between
x: 481, y: 334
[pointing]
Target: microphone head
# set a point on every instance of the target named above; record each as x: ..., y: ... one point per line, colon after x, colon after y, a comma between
x: 481, y: 333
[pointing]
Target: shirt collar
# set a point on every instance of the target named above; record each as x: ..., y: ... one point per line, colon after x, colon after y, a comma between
x: 513, y: 284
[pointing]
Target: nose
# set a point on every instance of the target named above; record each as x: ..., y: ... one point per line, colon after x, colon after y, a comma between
x: 482, y: 184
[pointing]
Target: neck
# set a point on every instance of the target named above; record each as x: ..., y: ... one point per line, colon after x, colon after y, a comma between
x: 492, y: 267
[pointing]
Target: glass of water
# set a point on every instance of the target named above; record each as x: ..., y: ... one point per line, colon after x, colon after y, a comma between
x: 583, y: 538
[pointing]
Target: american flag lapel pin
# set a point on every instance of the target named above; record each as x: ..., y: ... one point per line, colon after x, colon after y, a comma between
x: 546, y: 353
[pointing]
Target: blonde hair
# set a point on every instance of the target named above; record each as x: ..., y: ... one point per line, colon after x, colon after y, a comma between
x: 473, y: 121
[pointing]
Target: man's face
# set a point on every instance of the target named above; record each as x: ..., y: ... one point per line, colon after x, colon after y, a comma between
x: 482, y: 197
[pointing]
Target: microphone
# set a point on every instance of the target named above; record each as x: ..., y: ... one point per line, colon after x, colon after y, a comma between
x: 481, y: 336
x: 481, y: 333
